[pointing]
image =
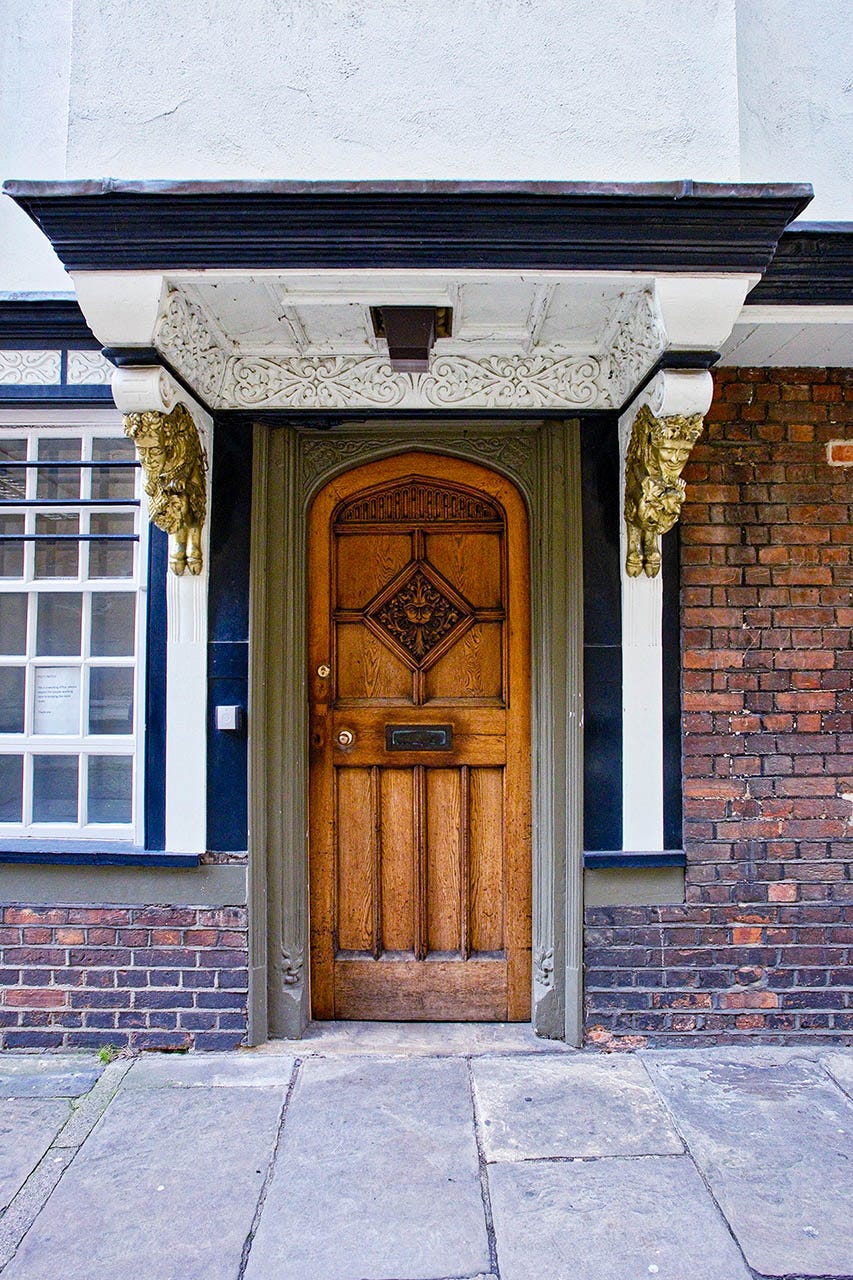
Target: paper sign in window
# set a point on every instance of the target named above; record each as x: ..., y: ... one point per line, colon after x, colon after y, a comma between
x: 57, y: 700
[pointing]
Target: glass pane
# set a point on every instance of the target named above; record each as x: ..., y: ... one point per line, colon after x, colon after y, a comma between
x: 58, y: 631
x: 13, y: 623
x: 110, y: 788
x: 113, y: 624
x: 12, y: 699
x: 11, y: 553
x: 113, y: 482
x: 111, y: 559
x: 13, y: 480
x: 111, y: 700
x: 58, y: 482
x: 57, y: 559
x: 11, y: 788
x: 56, y: 700
x: 55, y: 788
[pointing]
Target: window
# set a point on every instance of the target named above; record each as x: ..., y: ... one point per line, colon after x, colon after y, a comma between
x: 73, y: 548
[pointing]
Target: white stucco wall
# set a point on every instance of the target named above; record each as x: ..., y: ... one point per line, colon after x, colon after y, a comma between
x: 35, y: 45
x: 795, y: 70
x: 619, y: 90
x: 404, y: 89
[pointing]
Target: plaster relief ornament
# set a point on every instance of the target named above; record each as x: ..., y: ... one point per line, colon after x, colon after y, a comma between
x: 174, y: 465
x: 654, y: 490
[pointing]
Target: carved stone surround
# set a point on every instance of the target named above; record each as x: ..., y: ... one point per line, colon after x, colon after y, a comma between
x: 549, y: 378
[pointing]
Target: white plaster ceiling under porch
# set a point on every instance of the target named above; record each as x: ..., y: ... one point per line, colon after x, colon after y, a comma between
x: 305, y: 340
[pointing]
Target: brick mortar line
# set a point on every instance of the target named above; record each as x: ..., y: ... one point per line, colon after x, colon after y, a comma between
x: 268, y: 1176
x: 483, y: 1169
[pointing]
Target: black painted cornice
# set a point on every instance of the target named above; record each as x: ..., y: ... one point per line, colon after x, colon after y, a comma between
x: 669, y: 226
x: 44, y: 322
x: 812, y: 266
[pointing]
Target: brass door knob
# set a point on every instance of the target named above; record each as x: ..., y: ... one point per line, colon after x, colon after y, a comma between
x: 324, y: 672
x: 345, y: 738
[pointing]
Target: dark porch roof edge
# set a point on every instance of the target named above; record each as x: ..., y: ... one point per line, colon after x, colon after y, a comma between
x: 44, y: 322
x: 812, y: 266
x: 677, y: 189
x: 161, y: 225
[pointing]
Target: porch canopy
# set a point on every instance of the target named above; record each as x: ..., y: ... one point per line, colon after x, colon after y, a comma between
x: 549, y: 297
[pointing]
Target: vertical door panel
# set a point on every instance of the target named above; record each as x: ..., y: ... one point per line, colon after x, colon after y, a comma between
x: 420, y: 764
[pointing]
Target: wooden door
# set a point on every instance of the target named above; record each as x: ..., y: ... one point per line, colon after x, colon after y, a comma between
x: 419, y: 801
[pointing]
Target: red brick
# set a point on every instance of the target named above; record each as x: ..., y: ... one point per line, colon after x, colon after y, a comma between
x: 41, y: 998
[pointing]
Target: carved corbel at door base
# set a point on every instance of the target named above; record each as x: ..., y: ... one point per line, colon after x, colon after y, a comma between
x: 654, y: 491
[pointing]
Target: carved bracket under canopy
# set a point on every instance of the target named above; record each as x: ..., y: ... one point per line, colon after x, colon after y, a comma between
x: 659, y: 446
x: 174, y: 464
x: 654, y: 490
x: 173, y: 459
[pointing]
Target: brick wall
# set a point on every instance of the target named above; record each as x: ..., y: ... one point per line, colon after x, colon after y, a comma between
x: 144, y: 977
x: 763, y: 946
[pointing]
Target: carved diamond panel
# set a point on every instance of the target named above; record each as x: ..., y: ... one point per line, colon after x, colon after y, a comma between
x: 420, y: 613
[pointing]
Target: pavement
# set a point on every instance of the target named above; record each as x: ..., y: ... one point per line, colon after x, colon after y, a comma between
x: 397, y: 1152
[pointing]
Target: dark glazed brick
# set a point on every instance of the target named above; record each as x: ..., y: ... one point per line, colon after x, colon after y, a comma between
x: 207, y: 1041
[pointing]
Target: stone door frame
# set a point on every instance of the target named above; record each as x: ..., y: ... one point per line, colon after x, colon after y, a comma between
x: 290, y: 466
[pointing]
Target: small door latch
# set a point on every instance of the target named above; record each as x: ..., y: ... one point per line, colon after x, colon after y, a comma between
x: 345, y: 738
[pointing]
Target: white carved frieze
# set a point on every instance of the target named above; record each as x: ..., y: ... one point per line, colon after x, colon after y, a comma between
x: 545, y: 378
x: 634, y: 343
x: 88, y: 368
x: 30, y: 368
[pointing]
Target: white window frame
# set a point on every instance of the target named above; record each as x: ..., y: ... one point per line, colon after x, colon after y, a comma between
x: 88, y: 423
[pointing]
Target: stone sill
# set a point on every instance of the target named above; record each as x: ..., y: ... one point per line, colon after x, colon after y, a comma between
x: 80, y: 853
x: 613, y: 859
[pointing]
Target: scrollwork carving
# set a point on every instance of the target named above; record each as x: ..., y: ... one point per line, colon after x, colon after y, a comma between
x: 318, y: 382
x: 541, y: 381
x: 514, y: 452
x: 225, y: 378
x: 638, y: 338
x: 654, y: 492
x: 35, y: 368
x: 185, y: 337
x: 174, y: 464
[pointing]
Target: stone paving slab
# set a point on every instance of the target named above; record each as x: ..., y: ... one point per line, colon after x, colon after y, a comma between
x: 211, y: 1071
x: 775, y: 1143
x: 615, y: 1219
x: 439, y: 1039
x: 27, y: 1128
x: 539, y: 1108
x: 377, y: 1176
x: 65, y: 1076
x: 165, y: 1188
x: 840, y: 1067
